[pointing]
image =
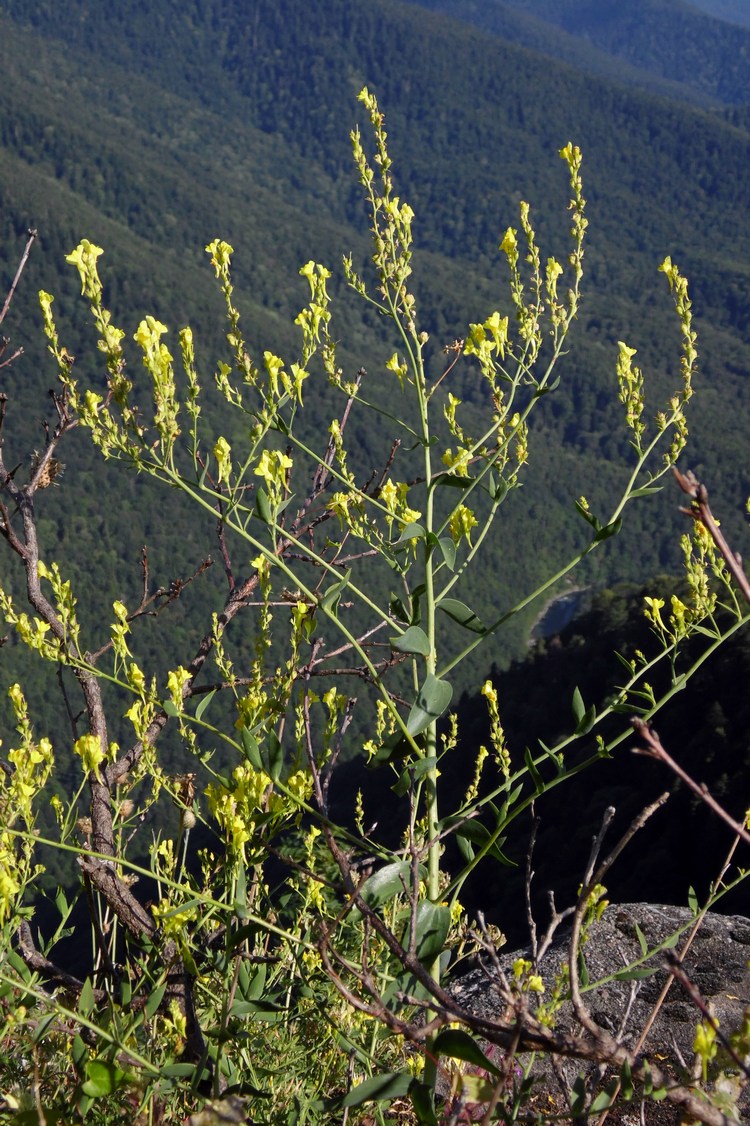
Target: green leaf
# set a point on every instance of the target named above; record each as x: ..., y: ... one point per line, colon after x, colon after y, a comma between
x: 393, y: 748
x: 462, y: 614
x: 459, y: 1045
x: 14, y: 959
x: 454, y: 479
x: 178, y: 1070
x: 104, y: 1077
x: 263, y: 1009
x: 479, y: 835
x: 204, y: 703
x: 251, y: 748
x: 272, y: 756
x: 43, y: 1027
x: 476, y: 1089
x: 412, y: 640
x: 513, y: 795
x: 416, y: 604
x: 397, y: 608
x: 646, y: 491
x: 171, y: 708
x: 432, y: 701
x: 500, y: 491
x: 330, y: 600
x: 378, y: 1088
x: 433, y: 923
x: 548, y: 387
x: 578, y: 1102
x: 606, y: 1097
x: 86, y: 1000
x: 254, y: 987
x: 240, y: 893
x: 411, y: 532
x: 155, y: 1000
x: 262, y: 506
x: 608, y: 530
x: 588, y: 719
x: 79, y: 1051
x: 636, y: 975
x: 641, y: 939
x: 388, y: 882
x: 578, y: 706
x: 407, y: 985
x: 448, y: 549
x: 531, y: 767
x: 626, y: 1082
x: 589, y: 517
x: 412, y: 772
x: 61, y: 903
x: 422, y: 1096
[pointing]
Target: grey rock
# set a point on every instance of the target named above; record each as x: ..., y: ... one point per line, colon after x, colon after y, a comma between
x: 716, y: 965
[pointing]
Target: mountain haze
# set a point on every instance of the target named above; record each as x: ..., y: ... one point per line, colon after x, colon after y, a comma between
x: 667, y: 47
x: 733, y: 11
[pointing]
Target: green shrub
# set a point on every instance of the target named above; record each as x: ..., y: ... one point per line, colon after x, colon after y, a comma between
x: 293, y: 968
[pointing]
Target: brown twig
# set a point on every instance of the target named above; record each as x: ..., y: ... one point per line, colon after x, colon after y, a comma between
x: 678, y: 972
x: 21, y: 266
x: 594, y: 878
x: 700, y: 510
x: 654, y: 749
x: 664, y: 992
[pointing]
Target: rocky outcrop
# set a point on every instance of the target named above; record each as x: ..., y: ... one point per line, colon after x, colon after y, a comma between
x: 716, y: 966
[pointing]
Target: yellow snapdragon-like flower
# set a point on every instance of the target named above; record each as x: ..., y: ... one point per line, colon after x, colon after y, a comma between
x: 223, y: 455
x: 89, y: 750
x: 457, y: 462
x: 176, y: 681
x: 653, y: 611
x: 461, y: 523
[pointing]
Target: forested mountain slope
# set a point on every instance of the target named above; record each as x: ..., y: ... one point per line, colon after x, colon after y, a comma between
x: 614, y: 51
x: 733, y: 11
x: 670, y: 39
x: 152, y: 128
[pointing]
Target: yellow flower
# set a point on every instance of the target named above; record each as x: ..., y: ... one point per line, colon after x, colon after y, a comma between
x: 89, y: 750
x: 458, y: 463
x: 223, y: 455
x: 653, y: 611
x: 510, y: 242
x: 389, y: 495
x: 84, y: 259
x: 272, y: 467
x: 176, y: 681
x: 461, y: 523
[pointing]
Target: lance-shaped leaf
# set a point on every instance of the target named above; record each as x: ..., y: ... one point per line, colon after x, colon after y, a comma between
x: 433, y: 923
x: 387, y: 882
x: 462, y: 614
x: 378, y: 1088
x: 330, y: 600
x: 459, y: 1045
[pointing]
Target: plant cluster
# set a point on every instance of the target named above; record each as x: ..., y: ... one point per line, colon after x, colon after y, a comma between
x: 294, y: 967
